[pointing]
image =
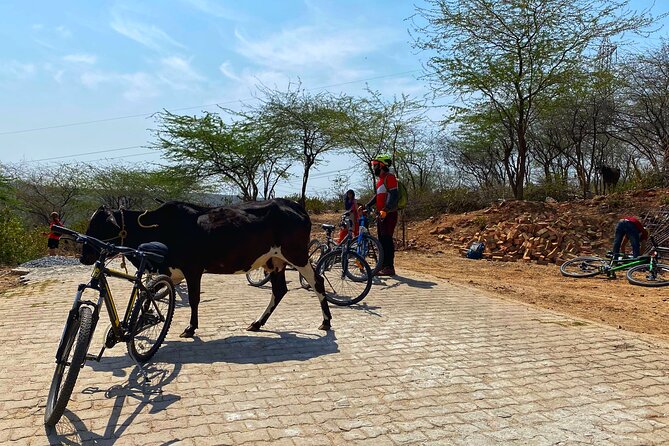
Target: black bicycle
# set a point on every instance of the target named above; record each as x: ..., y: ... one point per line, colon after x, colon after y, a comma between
x: 144, y: 325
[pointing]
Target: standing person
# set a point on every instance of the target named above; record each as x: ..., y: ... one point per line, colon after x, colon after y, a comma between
x: 350, y: 204
x: 54, y: 239
x: 385, y: 199
x: 629, y: 228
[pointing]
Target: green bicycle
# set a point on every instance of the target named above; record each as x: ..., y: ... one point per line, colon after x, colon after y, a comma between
x: 590, y: 266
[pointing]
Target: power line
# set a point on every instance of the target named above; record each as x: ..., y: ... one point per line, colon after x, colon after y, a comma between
x: 146, y: 115
x: 88, y: 153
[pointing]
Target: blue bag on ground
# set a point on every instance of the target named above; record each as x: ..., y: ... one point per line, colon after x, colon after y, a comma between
x: 475, y: 251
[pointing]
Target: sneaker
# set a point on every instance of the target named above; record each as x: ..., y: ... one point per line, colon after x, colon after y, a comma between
x: 386, y: 271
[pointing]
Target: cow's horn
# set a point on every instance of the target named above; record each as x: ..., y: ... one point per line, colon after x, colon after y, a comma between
x: 144, y: 226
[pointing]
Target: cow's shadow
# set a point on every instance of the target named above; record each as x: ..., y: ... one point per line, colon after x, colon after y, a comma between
x: 251, y: 349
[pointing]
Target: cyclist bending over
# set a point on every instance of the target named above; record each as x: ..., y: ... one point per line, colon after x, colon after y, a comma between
x: 629, y: 228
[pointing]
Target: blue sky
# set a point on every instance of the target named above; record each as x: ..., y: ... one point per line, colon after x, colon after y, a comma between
x: 79, y: 77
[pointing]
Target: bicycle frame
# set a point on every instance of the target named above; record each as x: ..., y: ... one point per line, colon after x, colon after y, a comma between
x: 99, y: 283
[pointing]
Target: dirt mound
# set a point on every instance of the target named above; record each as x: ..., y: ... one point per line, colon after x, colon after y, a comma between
x: 540, y: 232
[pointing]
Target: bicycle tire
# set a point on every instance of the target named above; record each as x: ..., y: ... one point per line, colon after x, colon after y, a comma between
x: 345, y: 284
x: 257, y: 277
x: 59, y: 395
x: 583, y: 267
x: 657, y: 278
x: 316, y: 250
x: 371, y: 251
x: 150, y: 311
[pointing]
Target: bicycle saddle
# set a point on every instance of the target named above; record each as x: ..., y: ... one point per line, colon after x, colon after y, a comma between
x: 327, y: 227
x: 154, y: 252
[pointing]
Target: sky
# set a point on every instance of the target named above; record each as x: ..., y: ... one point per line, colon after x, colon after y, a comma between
x: 81, y: 80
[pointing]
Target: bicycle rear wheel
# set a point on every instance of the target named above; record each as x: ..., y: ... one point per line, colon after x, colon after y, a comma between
x: 371, y: 250
x: 74, y: 347
x: 151, y: 318
x: 583, y: 266
x: 316, y: 250
x: 347, y: 277
x: 257, y: 277
x: 645, y: 275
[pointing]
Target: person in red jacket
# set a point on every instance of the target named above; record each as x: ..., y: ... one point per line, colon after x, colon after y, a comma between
x: 629, y: 228
x: 54, y: 239
x: 385, y: 200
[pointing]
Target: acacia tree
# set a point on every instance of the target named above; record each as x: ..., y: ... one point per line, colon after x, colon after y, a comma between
x: 42, y: 189
x: 308, y: 125
x: 375, y: 125
x: 512, y: 54
x: 237, y: 153
x: 136, y: 188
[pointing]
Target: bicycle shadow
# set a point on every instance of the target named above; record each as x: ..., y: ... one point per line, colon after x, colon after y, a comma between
x: 365, y: 308
x: 401, y: 280
x: 148, y: 394
x: 251, y: 349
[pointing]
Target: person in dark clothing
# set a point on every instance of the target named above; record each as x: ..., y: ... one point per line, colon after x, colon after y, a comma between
x: 351, y: 205
x: 385, y: 200
x: 629, y: 228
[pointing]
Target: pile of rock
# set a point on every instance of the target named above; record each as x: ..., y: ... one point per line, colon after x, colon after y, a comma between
x: 551, y: 236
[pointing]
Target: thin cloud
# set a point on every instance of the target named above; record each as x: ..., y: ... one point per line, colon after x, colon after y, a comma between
x: 310, y: 46
x: 16, y: 70
x: 215, y: 9
x: 178, y: 73
x: 145, y: 34
x: 87, y: 59
x: 226, y: 69
x: 134, y: 86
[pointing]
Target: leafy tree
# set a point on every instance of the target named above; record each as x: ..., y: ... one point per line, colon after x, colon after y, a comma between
x: 237, y: 153
x: 644, y: 119
x: 513, y: 54
x: 42, y: 189
x: 310, y: 125
x: 375, y: 125
x: 136, y: 188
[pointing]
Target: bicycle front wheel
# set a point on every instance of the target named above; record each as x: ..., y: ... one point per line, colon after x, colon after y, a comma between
x: 316, y: 250
x: 151, y: 318
x: 347, y: 277
x: 74, y: 348
x: 649, y: 275
x: 371, y: 250
x: 257, y: 277
x: 583, y: 266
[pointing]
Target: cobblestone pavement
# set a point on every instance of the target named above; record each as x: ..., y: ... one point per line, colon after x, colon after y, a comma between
x: 420, y: 362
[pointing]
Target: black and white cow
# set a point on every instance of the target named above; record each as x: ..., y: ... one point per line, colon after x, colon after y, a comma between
x: 220, y: 240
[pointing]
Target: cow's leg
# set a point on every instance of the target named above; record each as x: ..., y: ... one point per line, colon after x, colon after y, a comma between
x: 193, y: 280
x: 316, y: 282
x: 279, y: 289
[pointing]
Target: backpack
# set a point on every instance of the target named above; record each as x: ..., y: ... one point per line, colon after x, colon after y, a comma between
x: 402, y: 194
x: 475, y: 251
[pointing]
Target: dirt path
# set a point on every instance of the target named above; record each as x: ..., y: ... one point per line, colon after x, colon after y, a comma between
x: 612, y: 302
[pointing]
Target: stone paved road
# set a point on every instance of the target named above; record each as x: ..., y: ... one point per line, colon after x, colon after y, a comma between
x: 421, y: 362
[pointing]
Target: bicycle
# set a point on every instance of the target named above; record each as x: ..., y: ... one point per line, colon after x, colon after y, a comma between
x: 652, y: 274
x: 364, y: 244
x: 590, y: 266
x: 143, y: 328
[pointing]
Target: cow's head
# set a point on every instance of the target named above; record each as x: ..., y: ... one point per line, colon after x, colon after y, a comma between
x: 103, y: 226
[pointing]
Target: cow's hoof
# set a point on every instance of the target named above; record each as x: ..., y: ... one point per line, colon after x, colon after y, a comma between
x: 253, y: 327
x: 325, y: 326
x: 189, y: 332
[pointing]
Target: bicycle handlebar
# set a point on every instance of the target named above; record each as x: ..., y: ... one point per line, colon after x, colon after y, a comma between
x: 99, y: 244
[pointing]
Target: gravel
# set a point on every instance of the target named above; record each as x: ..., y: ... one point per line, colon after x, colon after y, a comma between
x: 49, y: 261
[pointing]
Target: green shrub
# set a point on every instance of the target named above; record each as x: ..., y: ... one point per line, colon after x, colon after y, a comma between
x: 559, y: 191
x: 17, y: 243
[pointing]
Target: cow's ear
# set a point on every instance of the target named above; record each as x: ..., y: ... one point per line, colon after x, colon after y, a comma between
x: 110, y: 217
